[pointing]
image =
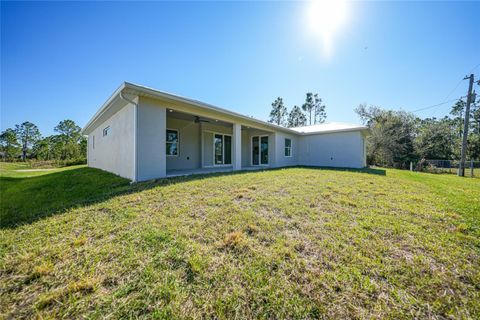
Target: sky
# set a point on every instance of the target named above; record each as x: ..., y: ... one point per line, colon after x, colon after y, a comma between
x: 62, y: 60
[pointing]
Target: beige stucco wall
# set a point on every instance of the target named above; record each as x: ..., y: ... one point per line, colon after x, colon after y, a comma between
x: 114, y: 152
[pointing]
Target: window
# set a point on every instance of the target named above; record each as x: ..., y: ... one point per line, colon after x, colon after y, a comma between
x: 172, y: 142
x: 288, y: 147
x: 106, y: 131
x: 93, y: 142
x: 222, y: 145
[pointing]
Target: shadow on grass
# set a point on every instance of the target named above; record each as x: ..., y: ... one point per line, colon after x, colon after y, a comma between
x: 25, y: 200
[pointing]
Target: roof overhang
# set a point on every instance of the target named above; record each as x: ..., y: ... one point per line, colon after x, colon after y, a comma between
x: 117, y: 101
x: 364, y: 130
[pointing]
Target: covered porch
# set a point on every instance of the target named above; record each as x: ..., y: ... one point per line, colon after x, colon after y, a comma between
x: 200, y: 144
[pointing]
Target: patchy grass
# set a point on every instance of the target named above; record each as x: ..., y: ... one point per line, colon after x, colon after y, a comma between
x: 291, y: 243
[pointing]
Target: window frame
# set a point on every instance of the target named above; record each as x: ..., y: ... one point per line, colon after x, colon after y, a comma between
x: 260, y: 150
x: 171, y: 142
x: 287, y: 148
x: 106, y: 131
x: 223, y: 164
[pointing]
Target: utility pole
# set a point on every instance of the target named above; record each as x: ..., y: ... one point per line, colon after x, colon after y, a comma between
x: 461, y: 168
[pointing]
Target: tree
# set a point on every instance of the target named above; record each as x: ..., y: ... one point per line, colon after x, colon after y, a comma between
x: 278, y: 113
x: 296, y: 118
x: 43, y: 149
x: 392, y: 133
x: 435, y: 139
x: 319, y: 110
x: 27, y: 133
x: 9, y: 143
x: 69, y: 137
x: 313, y: 104
x: 475, y: 117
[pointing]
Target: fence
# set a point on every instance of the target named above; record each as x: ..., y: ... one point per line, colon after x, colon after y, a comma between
x: 472, y: 168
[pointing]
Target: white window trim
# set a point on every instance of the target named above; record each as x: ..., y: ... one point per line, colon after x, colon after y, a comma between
x: 289, y: 148
x: 223, y: 149
x: 259, y: 151
x: 178, y: 143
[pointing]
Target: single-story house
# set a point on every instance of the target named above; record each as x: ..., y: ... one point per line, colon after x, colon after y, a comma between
x: 142, y: 133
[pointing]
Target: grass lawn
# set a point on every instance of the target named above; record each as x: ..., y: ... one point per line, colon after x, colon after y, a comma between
x: 294, y: 243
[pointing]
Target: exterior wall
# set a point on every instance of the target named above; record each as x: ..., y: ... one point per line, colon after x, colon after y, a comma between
x: 114, y: 152
x: 341, y: 149
x: 189, y: 151
x: 280, y: 159
x: 151, y: 135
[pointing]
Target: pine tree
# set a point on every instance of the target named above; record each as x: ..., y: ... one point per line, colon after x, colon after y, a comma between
x: 314, y: 109
x: 278, y: 113
x: 296, y: 118
x: 27, y: 133
x: 319, y: 110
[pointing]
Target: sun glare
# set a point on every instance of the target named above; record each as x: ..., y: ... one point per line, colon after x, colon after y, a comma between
x: 325, y: 19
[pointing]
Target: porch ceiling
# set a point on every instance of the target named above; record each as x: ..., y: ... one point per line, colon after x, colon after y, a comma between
x: 191, y: 117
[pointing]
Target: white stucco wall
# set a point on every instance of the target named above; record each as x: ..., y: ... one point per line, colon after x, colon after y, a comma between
x: 151, y: 134
x: 114, y: 152
x: 342, y: 149
x: 280, y: 159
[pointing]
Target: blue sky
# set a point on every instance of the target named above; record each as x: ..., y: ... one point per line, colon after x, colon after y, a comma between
x: 62, y: 60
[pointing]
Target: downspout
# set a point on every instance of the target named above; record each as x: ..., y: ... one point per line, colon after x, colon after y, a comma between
x: 135, y: 111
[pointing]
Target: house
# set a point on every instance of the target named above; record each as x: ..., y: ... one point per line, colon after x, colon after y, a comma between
x: 142, y: 133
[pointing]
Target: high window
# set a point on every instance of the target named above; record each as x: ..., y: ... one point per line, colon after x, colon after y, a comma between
x: 288, y: 147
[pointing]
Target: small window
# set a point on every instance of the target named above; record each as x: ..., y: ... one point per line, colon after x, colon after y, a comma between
x: 172, y: 142
x: 106, y: 131
x: 288, y: 147
x: 93, y: 142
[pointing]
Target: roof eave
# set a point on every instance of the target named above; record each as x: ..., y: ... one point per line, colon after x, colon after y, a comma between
x: 200, y: 104
x: 365, y: 129
x: 103, y: 108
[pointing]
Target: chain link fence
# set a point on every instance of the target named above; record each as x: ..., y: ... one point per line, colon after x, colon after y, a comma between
x: 472, y: 167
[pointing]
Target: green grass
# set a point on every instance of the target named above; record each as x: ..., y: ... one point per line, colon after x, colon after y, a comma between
x: 291, y: 243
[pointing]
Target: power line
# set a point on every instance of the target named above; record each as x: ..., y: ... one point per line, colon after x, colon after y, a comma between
x: 437, y: 105
x: 449, y: 94
x: 478, y: 65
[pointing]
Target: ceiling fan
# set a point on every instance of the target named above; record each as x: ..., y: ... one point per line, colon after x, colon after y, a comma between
x: 198, y: 120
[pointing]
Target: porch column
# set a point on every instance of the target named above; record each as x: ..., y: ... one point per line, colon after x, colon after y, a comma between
x: 237, y: 146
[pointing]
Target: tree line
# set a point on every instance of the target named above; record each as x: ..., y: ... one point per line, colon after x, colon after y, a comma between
x: 311, y: 112
x: 25, y: 141
x: 398, y: 137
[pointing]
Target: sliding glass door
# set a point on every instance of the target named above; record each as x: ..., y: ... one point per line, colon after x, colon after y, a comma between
x: 222, y: 146
x: 259, y: 150
x: 255, y: 151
